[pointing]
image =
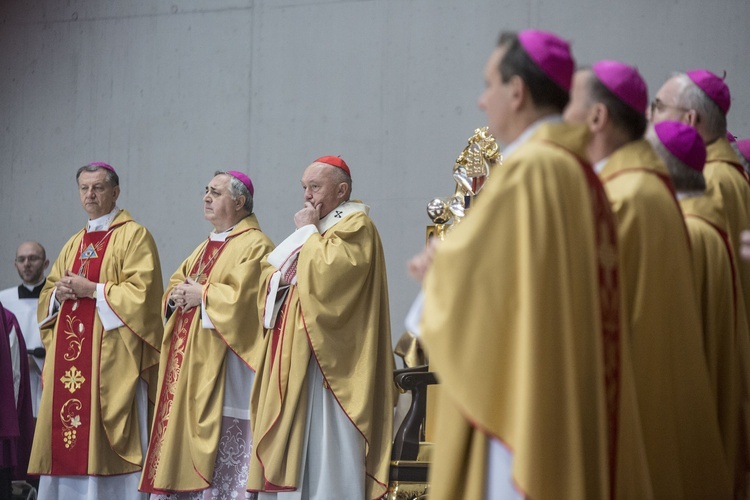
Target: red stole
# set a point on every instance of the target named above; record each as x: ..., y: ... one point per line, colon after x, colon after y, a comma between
x: 276, y: 341
x: 74, y: 339
x: 609, y: 294
x: 183, y: 321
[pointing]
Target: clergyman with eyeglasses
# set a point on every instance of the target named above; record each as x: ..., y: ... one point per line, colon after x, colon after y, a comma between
x: 31, y: 263
x: 680, y: 433
x: 702, y: 100
x: 99, y: 321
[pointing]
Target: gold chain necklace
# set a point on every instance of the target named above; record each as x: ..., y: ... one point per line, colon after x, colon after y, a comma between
x: 96, y: 247
x: 201, y: 266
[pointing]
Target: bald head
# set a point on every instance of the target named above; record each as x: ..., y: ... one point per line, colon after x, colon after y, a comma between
x: 34, y: 246
x: 31, y: 262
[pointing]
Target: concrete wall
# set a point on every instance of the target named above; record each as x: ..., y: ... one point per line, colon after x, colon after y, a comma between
x: 169, y: 91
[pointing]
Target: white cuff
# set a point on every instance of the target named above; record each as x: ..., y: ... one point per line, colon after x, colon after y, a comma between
x: 273, y: 301
x: 205, y: 320
x: 54, y: 306
x: 15, y: 361
x: 109, y: 319
x: 414, y: 316
x: 290, y: 245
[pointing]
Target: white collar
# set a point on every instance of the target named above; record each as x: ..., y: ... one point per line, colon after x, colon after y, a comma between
x: 599, y: 166
x: 222, y: 236
x: 103, y: 222
x: 31, y: 287
x: 528, y: 133
x: 339, y: 213
x: 681, y: 195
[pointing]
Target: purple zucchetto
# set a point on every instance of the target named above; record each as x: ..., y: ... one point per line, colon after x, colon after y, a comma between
x: 713, y: 86
x: 243, y: 179
x: 683, y: 142
x: 551, y: 54
x: 744, y: 146
x: 103, y: 165
x: 623, y: 81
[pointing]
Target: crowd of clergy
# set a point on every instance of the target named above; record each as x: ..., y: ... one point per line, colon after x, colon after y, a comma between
x: 588, y: 320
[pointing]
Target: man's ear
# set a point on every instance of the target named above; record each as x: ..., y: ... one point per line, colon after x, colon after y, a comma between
x: 598, y: 117
x: 240, y: 202
x: 342, y: 190
x: 518, y: 92
x: 692, y: 118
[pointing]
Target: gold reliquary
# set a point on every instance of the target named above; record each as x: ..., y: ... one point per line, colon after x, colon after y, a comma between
x: 470, y: 171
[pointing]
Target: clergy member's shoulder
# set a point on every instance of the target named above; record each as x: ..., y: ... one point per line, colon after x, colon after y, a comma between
x: 644, y: 186
x: 536, y: 162
x: 131, y: 227
x: 8, y: 294
x: 72, y: 241
x: 355, y: 228
x: 357, y: 220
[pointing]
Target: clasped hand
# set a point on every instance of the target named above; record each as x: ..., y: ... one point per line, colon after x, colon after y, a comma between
x: 71, y: 287
x: 187, y: 294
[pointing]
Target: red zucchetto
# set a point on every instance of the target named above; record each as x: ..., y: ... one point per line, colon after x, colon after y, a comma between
x: 334, y: 161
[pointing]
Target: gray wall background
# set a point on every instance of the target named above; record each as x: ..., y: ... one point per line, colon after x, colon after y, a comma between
x: 169, y: 91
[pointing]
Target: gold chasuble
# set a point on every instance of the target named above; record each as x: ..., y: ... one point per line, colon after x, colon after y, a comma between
x: 521, y: 323
x: 680, y: 427
x: 187, y: 420
x: 727, y: 184
x: 725, y: 331
x: 87, y: 422
x: 337, y: 312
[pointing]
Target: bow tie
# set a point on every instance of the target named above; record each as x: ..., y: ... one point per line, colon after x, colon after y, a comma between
x: 25, y: 293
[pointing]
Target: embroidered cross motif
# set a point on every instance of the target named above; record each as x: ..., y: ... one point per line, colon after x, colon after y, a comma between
x: 338, y: 214
x: 73, y: 379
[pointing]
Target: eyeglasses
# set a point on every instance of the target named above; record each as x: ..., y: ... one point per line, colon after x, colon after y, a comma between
x: 31, y: 258
x: 660, y: 106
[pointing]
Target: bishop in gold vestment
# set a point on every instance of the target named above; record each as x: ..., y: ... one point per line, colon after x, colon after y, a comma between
x: 727, y: 183
x: 683, y: 449
x: 522, y: 313
x: 681, y: 433
x: 721, y: 308
x: 514, y: 327
x: 92, y: 423
x: 201, y: 433
x: 702, y: 100
x: 322, y: 403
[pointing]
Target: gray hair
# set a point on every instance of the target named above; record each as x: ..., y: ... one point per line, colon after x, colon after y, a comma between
x: 112, y: 177
x: 237, y: 189
x: 339, y: 175
x: 743, y: 161
x: 683, y: 177
x: 712, y: 122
